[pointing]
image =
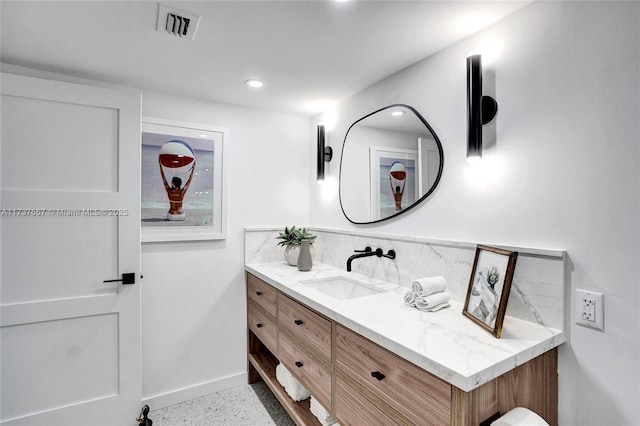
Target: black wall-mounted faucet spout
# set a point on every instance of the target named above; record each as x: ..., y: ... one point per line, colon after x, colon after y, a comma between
x: 369, y: 252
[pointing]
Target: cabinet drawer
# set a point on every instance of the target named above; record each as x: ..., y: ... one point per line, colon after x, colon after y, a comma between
x: 313, y: 374
x: 305, y: 325
x: 414, y: 393
x: 263, y: 326
x: 263, y: 294
x: 354, y: 409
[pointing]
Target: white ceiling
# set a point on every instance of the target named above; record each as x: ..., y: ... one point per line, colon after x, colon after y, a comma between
x: 310, y: 54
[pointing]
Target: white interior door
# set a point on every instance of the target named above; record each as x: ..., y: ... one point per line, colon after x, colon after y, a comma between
x: 69, y: 220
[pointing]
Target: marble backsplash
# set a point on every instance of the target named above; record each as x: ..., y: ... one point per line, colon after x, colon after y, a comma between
x: 537, y: 291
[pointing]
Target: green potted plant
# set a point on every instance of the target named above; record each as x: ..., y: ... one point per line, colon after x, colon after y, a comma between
x: 290, y: 239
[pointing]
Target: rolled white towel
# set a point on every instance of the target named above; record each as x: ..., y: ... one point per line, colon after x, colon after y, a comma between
x: 321, y: 413
x: 291, y: 385
x: 433, y: 302
x: 282, y: 375
x: 429, y: 285
x: 296, y: 391
x: 410, y: 298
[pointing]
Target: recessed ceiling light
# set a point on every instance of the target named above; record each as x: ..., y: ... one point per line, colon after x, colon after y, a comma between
x: 397, y: 113
x: 203, y: 136
x: 254, y: 83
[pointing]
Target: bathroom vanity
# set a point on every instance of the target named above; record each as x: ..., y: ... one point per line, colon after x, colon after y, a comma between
x: 373, y: 360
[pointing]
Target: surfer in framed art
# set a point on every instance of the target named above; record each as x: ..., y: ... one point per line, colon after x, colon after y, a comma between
x: 489, y: 286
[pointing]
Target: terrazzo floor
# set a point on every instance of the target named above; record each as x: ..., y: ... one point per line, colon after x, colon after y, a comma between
x: 247, y: 405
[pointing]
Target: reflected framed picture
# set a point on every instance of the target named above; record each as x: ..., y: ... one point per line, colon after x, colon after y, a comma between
x: 182, y: 181
x: 394, y: 184
x: 489, y: 287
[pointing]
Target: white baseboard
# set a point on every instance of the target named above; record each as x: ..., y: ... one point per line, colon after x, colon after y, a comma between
x: 190, y: 392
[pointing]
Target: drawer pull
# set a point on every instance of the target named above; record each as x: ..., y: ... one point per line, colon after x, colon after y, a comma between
x: 259, y: 293
x: 298, y: 364
x: 299, y: 322
x: 378, y: 375
x: 259, y: 325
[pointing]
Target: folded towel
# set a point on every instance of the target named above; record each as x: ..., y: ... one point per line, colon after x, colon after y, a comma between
x: 429, y: 285
x: 321, y: 413
x: 434, y: 302
x: 410, y: 298
x: 436, y: 307
x: 294, y: 388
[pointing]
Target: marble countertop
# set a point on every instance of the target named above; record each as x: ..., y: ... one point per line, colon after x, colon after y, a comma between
x: 444, y: 343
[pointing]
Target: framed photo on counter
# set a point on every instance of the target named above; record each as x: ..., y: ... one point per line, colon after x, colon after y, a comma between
x: 489, y: 287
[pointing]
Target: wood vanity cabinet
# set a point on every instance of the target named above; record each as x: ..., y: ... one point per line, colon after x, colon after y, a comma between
x: 263, y: 294
x: 262, y: 311
x: 361, y: 383
x: 304, y: 347
x: 306, y: 326
x: 405, y: 391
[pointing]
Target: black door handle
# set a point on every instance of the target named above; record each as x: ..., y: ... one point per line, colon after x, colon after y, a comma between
x: 259, y: 325
x: 298, y: 322
x: 378, y: 375
x: 128, y: 278
x: 298, y: 364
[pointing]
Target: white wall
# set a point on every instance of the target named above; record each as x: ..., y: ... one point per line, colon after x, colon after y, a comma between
x: 193, y: 295
x: 561, y: 173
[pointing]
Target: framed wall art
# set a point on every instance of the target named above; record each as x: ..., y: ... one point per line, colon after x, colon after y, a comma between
x: 489, y: 287
x: 182, y: 181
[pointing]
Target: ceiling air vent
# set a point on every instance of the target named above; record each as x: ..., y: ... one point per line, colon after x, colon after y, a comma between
x: 178, y: 23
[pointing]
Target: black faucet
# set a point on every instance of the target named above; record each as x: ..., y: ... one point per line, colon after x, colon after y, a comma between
x: 369, y: 252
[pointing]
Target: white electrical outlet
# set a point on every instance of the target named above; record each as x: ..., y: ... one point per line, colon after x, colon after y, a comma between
x: 589, y: 309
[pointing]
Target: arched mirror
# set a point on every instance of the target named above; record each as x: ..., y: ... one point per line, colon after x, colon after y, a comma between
x: 391, y: 160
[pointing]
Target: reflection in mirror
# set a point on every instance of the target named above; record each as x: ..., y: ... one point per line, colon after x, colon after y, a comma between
x: 391, y: 160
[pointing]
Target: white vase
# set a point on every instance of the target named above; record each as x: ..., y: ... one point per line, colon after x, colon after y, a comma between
x: 291, y: 253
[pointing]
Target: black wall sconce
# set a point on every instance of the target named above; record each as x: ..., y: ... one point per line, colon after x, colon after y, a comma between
x: 480, y: 109
x: 325, y: 153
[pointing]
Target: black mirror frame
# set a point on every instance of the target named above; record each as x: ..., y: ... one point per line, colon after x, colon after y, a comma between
x: 419, y: 200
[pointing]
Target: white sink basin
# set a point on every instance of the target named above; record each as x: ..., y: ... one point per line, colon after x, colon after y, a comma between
x: 342, y: 288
